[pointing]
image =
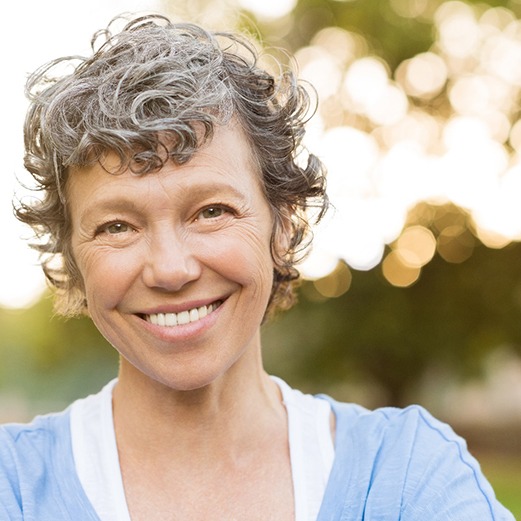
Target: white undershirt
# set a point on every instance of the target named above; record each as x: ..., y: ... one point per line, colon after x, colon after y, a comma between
x: 96, y: 456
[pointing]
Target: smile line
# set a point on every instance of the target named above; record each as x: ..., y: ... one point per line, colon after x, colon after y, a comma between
x: 182, y: 318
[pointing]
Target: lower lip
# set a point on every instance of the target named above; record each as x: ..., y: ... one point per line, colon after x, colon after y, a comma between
x: 183, y: 332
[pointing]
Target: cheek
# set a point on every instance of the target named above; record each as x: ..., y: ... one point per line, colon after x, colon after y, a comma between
x: 244, y: 258
x: 106, y: 277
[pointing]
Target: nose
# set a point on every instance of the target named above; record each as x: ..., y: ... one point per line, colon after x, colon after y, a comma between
x: 170, y: 263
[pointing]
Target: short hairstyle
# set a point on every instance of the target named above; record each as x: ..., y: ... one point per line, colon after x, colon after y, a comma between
x: 144, y: 94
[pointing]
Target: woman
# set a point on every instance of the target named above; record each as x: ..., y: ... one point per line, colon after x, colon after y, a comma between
x: 173, y: 211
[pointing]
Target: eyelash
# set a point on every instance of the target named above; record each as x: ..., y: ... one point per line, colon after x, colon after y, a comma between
x: 218, y: 206
x: 103, y: 228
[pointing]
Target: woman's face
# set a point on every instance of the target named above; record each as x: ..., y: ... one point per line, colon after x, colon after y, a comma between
x: 176, y: 265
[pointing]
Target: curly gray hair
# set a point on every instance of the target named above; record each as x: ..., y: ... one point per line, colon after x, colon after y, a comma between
x: 144, y: 94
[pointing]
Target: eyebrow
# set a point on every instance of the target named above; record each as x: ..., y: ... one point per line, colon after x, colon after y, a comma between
x: 120, y: 203
x: 208, y: 189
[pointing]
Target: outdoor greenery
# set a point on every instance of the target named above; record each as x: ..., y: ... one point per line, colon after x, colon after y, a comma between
x: 505, y: 477
x: 450, y: 320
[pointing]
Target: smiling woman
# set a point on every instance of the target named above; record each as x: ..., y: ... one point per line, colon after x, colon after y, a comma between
x: 173, y: 212
x: 180, y: 268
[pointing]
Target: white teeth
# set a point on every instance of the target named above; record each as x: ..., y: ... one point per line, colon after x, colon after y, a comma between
x: 179, y: 319
x: 170, y: 319
x: 183, y: 318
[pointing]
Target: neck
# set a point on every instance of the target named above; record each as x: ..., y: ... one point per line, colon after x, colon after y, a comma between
x: 235, y: 409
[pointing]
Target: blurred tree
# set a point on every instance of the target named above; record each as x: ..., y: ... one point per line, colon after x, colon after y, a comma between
x: 390, y: 337
x: 48, y: 357
x: 395, y: 29
x: 392, y: 37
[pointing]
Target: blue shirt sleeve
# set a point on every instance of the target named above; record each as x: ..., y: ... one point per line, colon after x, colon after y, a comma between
x: 404, y: 465
x: 38, y: 480
x: 442, y: 480
x: 10, y: 501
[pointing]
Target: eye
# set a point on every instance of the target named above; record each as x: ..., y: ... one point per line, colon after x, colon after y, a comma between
x: 212, y: 212
x: 114, y: 228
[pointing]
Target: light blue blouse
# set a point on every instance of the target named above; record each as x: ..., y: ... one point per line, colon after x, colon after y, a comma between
x: 390, y: 464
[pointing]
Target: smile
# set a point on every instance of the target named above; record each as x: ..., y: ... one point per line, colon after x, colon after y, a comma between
x: 182, y: 318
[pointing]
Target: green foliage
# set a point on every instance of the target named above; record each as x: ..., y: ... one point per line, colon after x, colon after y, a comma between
x: 451, y: 319
x: 48, y: 357
x: 390, y: 36
x: 504, y: 474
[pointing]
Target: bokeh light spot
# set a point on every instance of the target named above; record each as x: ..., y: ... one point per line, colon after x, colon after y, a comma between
x: 336, y: 283
x: 455, y: 244
x: 345, y: 46
x: 492, y: 239
x: 497, y: 18
x: 397, y: 273
x: 409, y: 8
x: 366, y: 81
x: 424, y: 75
x: 458, y: 29
x: 269, y: 8
x: 416, y: 246
x: 320, y: 68
x: 390, y: 107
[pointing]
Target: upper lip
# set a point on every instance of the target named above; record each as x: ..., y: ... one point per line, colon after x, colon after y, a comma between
x: 178, y: 308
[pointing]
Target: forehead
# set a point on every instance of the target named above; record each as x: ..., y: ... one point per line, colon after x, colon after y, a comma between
x: 226, y: 159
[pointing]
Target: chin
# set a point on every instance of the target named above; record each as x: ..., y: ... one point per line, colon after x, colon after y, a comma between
x: 188, y: 382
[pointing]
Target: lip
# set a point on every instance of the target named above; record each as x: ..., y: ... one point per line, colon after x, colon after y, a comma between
x: 179, y: 308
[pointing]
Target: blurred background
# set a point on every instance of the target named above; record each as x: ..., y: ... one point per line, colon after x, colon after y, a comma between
x: 412, y: 291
